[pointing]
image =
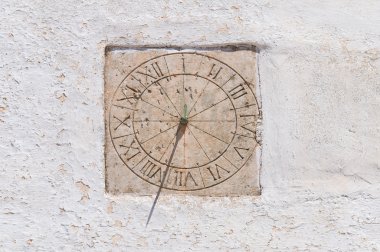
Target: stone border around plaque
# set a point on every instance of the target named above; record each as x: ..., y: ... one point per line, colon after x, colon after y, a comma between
x: 184, y: 118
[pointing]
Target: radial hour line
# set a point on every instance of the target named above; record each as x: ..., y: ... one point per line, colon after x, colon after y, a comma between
x: 199, y: 66
x: 142, y: 142
x: 214, y: 104
x: 228, y: 80
x: 212, y: 120
x: 230, y: 162
x: 155, y: 121
x: 140, y: 161
x: 245, y: 106
x: 122, y: 136
x: 183, y: 79
x: 168, y: 97
x: 200, y: 94
x: 184, y: 149
x: 200, y: 173
x: 171, y: 141
x: 160, y: 109
x: 119, y: 106
x: 167, y: 67
x: 196, y: 139
x: 209, y: 134
x: 132, y: 76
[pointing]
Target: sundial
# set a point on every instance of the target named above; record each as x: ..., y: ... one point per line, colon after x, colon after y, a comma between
x: 183, y: 121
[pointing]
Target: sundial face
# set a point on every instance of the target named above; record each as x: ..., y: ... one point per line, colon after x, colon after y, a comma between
x: 185, y: 121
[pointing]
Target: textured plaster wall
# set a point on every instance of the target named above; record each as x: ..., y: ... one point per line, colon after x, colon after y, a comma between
x: 319, y: 68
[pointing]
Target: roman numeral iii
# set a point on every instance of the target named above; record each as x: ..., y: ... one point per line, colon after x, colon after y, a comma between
x: 237, y: 91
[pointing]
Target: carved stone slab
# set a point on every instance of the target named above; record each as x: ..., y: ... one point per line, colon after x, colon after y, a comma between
x: 184, y: 120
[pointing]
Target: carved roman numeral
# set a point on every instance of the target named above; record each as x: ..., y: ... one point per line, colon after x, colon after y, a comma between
x: 134, y: 155
x: 151, y: 170
x: 153, y: 72
x: 250, y: 129
x: 157, y: 69
x: 214, y: 71
x: 132, y: 151
x: 183, y: 179
x: 178, y: 178
x: 237, y: 91
x: 217, y: 171
x: 158, y: 171
x: 147, y: 73
x: 239, y: 152
x: 122, y: 121
x: 244, y: 126
x: 190, y: 177
x: 134, y: 96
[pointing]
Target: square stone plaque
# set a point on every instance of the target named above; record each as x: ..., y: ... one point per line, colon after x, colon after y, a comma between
x: 183, y: 119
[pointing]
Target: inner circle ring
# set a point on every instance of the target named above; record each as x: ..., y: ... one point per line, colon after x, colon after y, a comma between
x: 200, y: 165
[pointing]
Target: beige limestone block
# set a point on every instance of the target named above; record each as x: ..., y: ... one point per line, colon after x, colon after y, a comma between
x: 184, y: 120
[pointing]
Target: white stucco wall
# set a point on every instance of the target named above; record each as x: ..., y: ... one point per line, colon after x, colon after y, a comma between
x: 320, y: 83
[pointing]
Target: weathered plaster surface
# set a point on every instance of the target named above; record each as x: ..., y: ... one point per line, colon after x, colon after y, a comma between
x: 320, y: 84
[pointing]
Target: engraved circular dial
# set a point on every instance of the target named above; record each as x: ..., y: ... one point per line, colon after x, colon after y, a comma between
x: 185, y: 113
x: 156, y: 130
